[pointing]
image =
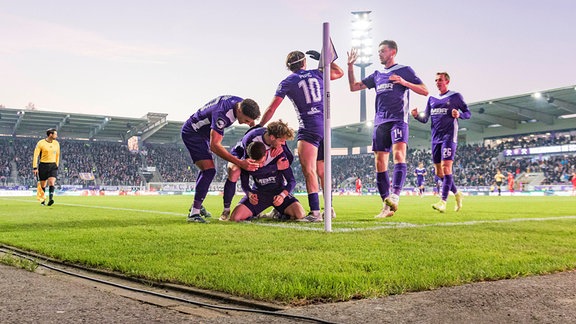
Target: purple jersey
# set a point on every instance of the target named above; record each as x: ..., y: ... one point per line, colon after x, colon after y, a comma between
x: 420, y: 173
x: 257, y: 135
x: 392, y: 99
x: 439, y: 109
x: 217, y: 115
x: 268, y: 179
x: 306, y: 90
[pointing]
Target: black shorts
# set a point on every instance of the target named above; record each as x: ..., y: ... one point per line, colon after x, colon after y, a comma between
x: 47, y: 170
x: 499, y: 183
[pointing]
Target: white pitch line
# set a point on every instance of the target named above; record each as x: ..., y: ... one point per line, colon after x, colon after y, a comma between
x: 112, y: 208
x: 389, y: 225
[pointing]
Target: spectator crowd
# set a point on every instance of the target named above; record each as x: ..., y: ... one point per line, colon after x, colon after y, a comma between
x: 112, y: 164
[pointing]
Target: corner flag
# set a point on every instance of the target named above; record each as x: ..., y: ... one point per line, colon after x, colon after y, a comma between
x: 331, y: 54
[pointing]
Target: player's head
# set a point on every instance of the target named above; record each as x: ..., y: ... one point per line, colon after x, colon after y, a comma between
x: 256, y: 151
x: 420, y: 165
x: 279, y: 132
x: 387, y: 51
x: 248, y: 111
x: 442, y: 80
x: 295, y: 61
x: 52, y: 133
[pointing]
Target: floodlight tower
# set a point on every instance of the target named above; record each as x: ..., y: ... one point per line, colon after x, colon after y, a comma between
x: 361, y: 40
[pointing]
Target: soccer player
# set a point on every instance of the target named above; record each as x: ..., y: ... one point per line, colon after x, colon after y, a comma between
x: 358, y: 186
x: 420, y: 173
x: 202, y: 134
x: 392, y: 87
x: 437, y: 184
x: 273, y: 185
x: 48, y: 150
x: 444, y: 111
x: 573, y: 180
x: 305, y: 88
x: 274, y: 137
x: 499, y: 177
x: 510, y: 182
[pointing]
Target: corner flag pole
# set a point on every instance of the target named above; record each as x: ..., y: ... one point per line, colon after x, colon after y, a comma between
x: 327, y: 59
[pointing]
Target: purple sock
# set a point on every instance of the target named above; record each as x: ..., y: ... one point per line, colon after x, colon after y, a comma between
x: 202, y: 185
x: 313, y: 201
x: 398, y: 178
x: 446, y: 184
x: 383, y: 184
x: 453, y: 187
x: 229, y: 192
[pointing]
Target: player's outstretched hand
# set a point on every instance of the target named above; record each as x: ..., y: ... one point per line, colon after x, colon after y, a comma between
x: 414, y: 112
x: 352, y: 56
x: 314, y: 55
x: 248, y: 165
x: 275, y: 151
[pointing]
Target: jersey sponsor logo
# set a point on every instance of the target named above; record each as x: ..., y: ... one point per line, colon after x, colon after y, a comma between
x: 438, y: 111
x: 266, y: 181
x: 313, y: 111
x: 385, y: 87
x: 306, y: 75
x: 220, y: 123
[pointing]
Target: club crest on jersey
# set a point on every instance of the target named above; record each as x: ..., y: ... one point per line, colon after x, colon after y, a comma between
x: 220, y: 123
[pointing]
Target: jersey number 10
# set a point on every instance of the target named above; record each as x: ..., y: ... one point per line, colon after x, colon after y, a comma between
x: 311, y: 90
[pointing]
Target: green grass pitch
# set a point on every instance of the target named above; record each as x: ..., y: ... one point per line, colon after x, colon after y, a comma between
x: 417, y: 249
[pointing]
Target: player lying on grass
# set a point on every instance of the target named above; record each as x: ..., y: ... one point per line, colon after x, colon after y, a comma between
x: 273, y: 185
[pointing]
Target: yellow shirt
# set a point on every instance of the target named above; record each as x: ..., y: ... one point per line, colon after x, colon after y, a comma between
x: 49, y: 152
x: 499, y: 177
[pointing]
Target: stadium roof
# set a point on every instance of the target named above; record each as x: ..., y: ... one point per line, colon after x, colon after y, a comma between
x: 547, y: 109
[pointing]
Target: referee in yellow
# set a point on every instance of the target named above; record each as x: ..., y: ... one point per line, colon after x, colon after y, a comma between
x: 48, y: 150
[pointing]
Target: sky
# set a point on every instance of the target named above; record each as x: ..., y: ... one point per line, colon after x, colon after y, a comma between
x: 130, y: 57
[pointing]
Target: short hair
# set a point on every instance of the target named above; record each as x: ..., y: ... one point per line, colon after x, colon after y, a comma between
x: 256, y: 150
x: 445, y: 74
x: 250, y: 108
x: 50, y: 131
x: 390, y: 43
x: 295, y: 61
x: 280, y: 129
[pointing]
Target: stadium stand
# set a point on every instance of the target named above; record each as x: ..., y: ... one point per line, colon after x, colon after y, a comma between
x: 95, y: 148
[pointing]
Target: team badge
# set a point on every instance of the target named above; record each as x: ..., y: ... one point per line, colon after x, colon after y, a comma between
x: 220, y: 123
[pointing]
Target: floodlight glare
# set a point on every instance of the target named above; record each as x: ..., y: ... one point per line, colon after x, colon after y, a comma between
x: 537, y: 95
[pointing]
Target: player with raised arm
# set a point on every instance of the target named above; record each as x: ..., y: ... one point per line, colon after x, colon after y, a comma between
x: 392, y: 87
x: 444, y: 111
x: 202, y: 135
x: 274, y: 137
x: 273, y: 185
x: 305, y: 88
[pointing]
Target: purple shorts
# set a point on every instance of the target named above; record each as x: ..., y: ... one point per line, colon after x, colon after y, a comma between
x: 443, y: 151
x: 387, y: 134
x: 265, y: 200
x: 314, y: 139
x: 419, y: 181
x: 197, y: 145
